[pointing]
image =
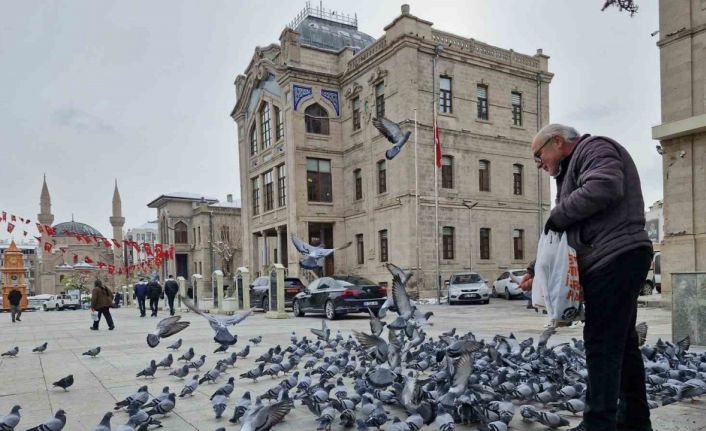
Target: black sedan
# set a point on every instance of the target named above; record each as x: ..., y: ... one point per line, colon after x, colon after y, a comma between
x: 338, y: 295
x: 261, y: 287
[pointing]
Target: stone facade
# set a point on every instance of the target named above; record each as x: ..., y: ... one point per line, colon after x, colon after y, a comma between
x: 199, y: 228
x: 297, y: 74
x: 682, y: 136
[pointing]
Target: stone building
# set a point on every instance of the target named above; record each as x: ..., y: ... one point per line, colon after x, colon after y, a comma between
x: 67, y: 251
x: 312, y: 163
x: 682, y: 136
x: 654, y: 224
x: 206, y: 234
x: 145, y: 233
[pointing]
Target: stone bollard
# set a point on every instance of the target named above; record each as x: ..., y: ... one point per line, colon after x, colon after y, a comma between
x: 181, y: 281
x: 130, y: 292
x: 244, y: 275
x: 196, y: 282
x: 217, y: 285
x: 278, y: 270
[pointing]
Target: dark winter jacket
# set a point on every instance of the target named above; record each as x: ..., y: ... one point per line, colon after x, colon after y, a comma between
x: 154, y: 289
x: 171, y: 287
x: 15, y: 297
x: 101, y: 297
x: 141, y: 289
x: 599, y: 203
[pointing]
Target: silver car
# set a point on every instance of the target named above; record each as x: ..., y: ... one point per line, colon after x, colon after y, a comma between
x: 468, y: 287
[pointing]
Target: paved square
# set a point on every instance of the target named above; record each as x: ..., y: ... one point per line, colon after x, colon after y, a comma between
x: 100, y: 382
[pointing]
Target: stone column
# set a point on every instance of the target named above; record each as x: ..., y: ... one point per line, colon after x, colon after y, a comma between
x: 218, y: 276
x: 266, y: 253
x: 130, y: 292
x: 245, y: 274
x: 197, y: 281
x: 181, y: 281
x: 255, y: 250
x: 280, y: 249
x: 278, y: 268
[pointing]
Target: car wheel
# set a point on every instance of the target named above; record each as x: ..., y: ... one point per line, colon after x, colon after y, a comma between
x: 330, y: 311
x: 451, y: 302
x: 659, y: 288
x: 507, y: 294
x: 487, y: 301
x: 296, y: 308
x: 44, y: 306
x: 56, y: 307
x: 266, y: 304
x: 494, y: 292
x: 646, y: 289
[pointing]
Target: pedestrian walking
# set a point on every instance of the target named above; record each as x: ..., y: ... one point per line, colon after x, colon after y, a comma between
x: 154, y: 292
x: 171, y: 288
x: 15, y: 299
x: 599, y: 206
x: 141, y: 294
x: 101, y: 299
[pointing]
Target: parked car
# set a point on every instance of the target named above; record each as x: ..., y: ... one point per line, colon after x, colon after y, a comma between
x: 654, y: 276
x: 338, y: 295
x: 468, y: 287
x: 508, y: 284
x: 61, y: 302
x: 37, y: 301
x: 260, y: 291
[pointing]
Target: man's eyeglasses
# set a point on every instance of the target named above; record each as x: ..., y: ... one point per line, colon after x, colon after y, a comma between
x: 537, y: 154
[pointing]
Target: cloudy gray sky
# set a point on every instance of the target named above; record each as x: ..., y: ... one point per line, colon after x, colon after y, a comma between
x: 91, y: 91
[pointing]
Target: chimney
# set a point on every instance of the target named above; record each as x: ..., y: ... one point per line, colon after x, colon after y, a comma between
x: 229, y: 197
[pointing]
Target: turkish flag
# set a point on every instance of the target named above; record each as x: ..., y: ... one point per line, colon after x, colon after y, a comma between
x: 13, y: 218
x: 79, y: 238
x: 88, y: 260
x: 10, y: 227
x: 87, y: 239
x: 437, y: 145
x: 50, y: 230
x: 48, y: 246
x: 102, y: 265
x: 63, y: 249
x: 159, y: 250
x: 116, y: 243
x: 111, y: 269
x: 75, y: 258
x: 148, y: 249
x: 106, y: 243
x: 135, y: 245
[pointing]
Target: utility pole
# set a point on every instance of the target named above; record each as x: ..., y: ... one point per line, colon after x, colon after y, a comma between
x: 437, y: 50
x: 470, y: 205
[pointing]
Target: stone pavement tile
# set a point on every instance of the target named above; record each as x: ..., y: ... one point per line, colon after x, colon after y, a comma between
x: 684, y: 416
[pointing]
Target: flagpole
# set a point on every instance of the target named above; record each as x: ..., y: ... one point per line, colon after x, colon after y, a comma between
x: 437, y: 50
x: 416, y: 208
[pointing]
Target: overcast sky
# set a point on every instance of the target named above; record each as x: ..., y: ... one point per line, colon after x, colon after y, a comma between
x: 93, y: 91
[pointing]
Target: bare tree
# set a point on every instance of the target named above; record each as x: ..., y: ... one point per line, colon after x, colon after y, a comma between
x: 622, y: 5
x: 225, y: 249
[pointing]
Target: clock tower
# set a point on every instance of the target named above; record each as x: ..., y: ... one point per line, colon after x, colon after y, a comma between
x: 13, y: 275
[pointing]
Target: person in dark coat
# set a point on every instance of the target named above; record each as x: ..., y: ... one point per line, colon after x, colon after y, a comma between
x: 15, y: 299
x: 171, y: 288
x: 101, y: 299
x: 600, y: 209
x: 154, y: 291
x: 141, y: 294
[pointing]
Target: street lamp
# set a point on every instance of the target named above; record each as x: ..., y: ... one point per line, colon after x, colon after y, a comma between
x: 470, y: 205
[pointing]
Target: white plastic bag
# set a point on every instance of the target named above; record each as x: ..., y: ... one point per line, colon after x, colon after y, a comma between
x: 94, y: 315
x: 557, y: 280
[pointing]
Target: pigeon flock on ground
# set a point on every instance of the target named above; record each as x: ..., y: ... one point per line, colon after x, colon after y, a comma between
x: 394, y: 377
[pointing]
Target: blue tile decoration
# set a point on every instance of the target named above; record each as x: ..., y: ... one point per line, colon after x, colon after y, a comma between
x: 332, y: 97
x: 300, y: 93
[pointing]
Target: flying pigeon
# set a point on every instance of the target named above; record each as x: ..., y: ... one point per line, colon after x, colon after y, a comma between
x: 262, y: 418
x: 41, y: 349
x: 65, y: 382
x: 220, y: 325
x: 54, y: 424
x: 393, y: 133
x: 92, y: 352
x: 12, y: 352
x: 313, y: 256
x: 10, y: 421
x: 104, y: 424
x: 166, y: 328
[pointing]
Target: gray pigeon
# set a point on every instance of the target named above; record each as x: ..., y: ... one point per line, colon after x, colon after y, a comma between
x: 12, y: 352
x: 198, y: 363
x: 255, y: 373
x: 175, y: 345
x: 160, y: 397
x: 104, y: 424
x: 65, y: 382
x: 142, y: 419
x: 263, y: 418
x: 189, y: 355
x: 314, y: 256
x: 41, y: 349
x: 149, y: 371
x: 10, y: 421
x: 226, y: 389
x: 164, y: 406
x: 54, y: 424
x: 220, y: 325
x: 166, y: 362
x: 141, y: 396
x: 92, y: 352
x: 219, y: 403
x: 180, y: 372
x: 131, y: 425
x: 166, y: 328
x: 376, y: 325
x: 241, y: 407
x: 190, y: 386
x: 393, y: 133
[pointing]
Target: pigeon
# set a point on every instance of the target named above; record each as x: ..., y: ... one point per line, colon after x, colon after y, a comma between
x: 131, y: 425
x: 180, y: 372
x: 54, y: 424
x: 322, y: 334
x: 140, y: 396
x: 12, y: 352
x: 41, y: 349
x: 219, y: 404
x: 314, y: 256
x: 10, y: 421
x: 226, y: 389
x: 190, y: 386
x: 175, y: 345
x: 160, y: 397
x: 149, y: 371
x: 376, y: 325
x: 65, y: 382
x: 393, y: 133
x: 92, y: 352
x: 164, y: 406
x: 256, y: 340
x: 189, y: 355
x: 241, y: 407
x: 211, y: 375
x: 221, y: 348
x: 220, y: 325
x: 104, y: 424
x: 641, y: 329
x: 142, y: 419
x: 166, y: 362
x: 263, y: 418
x: 255, y: 373
x: 166, y: 328
x: 198, y: 363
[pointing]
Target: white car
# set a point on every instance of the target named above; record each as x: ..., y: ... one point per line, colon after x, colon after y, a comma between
x: 468, y: 287
x: 61, y: 302
x: 37, y: 301
x: 654, y: 276
x: 508, y: 284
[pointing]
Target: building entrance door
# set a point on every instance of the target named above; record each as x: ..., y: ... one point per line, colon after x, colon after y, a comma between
x: 321, y: 234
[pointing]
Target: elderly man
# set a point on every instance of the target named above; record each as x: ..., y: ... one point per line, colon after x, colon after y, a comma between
x: 600, y: 208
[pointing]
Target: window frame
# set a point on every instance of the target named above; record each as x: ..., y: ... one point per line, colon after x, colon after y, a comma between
x: 279, y: 123
x: 380, y: 99
x: 360, y: 248
x: 447, y: 239
x: 253, y: 140
x: 268, y: 191
x: 317, y: 178
x: 281, y: 185
x: 482, y: 102
x: 384, y: 245
x: 358, y: 181
x: 516, y: 108
x: 355, y: 104
x: 518, y: 244
x: 381, y: 166
x: 484, y: 243
x: 255, y: 195
x: 317, y: 124
x: 484, y: 175
x: 517, y: 179
x: 447, y: 172
x: 265, y: 126
x: 445, y: 96
x: 181, y: 233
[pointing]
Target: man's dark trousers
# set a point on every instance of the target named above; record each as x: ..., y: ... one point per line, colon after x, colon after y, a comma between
x: 142, y: 305
x: 616, y: 372
x: 154, y: 302
x: 170, y: 301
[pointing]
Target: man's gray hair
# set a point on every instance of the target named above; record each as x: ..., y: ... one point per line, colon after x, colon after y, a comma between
x: 550, y: 130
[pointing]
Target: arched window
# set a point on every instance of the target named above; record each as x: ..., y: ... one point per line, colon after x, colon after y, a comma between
x: 316, y: 119
x: 180, y: 233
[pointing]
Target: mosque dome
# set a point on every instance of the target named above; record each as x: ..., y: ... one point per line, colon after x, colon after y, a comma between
x: 75, y: 228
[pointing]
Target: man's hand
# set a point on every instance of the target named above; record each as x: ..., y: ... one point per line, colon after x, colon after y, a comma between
x: 549, y: 225
x: 526, y: 282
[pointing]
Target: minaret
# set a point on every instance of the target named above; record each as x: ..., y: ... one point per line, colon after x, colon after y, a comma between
x: 117, y: 221
x: 45, y: 216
